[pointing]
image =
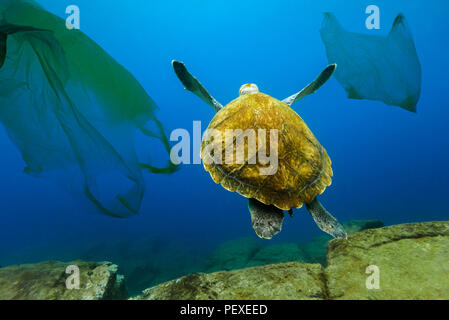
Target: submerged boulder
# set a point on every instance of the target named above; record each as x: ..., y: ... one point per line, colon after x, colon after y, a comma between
x: 409, y: 261
x: 47, y: 281
x: 292, y: 281
x: 412, y: 261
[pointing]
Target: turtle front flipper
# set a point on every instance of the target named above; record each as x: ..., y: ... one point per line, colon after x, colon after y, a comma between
x: 324, y: 220
x: 266, y: 220
x: 313, y: 86
x: 194, y: 86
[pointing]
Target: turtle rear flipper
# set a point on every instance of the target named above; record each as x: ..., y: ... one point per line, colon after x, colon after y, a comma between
x: 266, y: 220
x: 313, y: 86
x: 194, y: 86
x: 324, y: 220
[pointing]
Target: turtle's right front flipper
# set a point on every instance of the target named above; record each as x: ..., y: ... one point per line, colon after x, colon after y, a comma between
x: 266, y: 220
x: 313, y: 86
x: 194, y: 86
x: 324, y: 220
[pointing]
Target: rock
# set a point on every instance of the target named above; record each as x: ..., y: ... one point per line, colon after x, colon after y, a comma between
x: 278, y: 282
x: 278, y: 253
x: 413, y: 262
x: 412, y: 259
x: 47, y: 281
x: 315, y: 250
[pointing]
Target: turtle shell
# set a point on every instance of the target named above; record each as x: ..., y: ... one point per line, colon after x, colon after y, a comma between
x: 303, y: 168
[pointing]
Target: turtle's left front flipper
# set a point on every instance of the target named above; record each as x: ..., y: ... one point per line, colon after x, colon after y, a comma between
x: 266, y: 220
x: 313, y: 86
x: 324, y: 220
x: 194, y: 86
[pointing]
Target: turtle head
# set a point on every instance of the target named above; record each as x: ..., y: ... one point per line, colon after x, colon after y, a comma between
x: 248, y: 88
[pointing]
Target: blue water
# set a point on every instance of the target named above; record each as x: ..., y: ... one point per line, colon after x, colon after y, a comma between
x: 388, y: 164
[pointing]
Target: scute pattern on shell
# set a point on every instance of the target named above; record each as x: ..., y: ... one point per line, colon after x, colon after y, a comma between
x: 304, y: 168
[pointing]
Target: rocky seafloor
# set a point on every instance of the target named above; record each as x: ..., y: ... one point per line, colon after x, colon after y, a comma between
x: 408, y: 261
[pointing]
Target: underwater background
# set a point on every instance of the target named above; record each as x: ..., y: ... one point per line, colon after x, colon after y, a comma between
x: 389, y: 164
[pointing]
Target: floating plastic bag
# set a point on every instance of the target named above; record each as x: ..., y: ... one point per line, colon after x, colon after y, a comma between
x: 373, y: 67
x: 72, y: 110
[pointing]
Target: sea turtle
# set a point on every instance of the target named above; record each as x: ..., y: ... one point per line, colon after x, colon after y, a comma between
x: 303, y: 168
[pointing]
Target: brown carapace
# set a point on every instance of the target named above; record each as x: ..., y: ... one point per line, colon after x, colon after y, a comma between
x: 303, y: 166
